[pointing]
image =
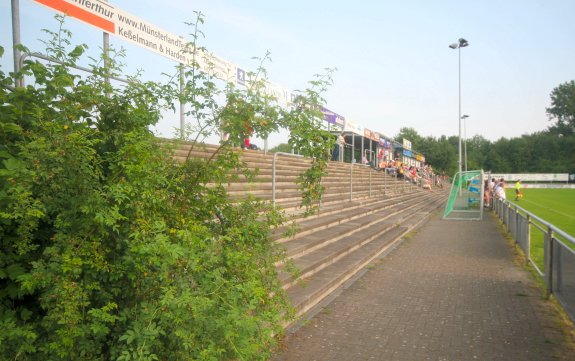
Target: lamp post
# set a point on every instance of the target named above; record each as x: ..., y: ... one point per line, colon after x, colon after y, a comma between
x: 462, y: 43
x: 465, y: 139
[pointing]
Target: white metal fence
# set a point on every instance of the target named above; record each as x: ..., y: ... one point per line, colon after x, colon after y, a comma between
x: 535, y: 235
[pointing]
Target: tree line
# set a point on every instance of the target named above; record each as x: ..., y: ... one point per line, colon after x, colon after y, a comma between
x: 547, y: 151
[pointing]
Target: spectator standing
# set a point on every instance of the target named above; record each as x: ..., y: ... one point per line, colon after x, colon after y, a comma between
x: 380, y: 158
x: 338, y: 148
x: 500, y: 190
x: 495, y: 185
x: 492, y: 188
x: 486, y: 194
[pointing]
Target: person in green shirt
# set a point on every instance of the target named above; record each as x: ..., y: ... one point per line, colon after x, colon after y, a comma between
x: 518, y: 194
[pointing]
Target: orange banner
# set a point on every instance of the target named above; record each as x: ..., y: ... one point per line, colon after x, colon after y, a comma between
x: 79, y: 13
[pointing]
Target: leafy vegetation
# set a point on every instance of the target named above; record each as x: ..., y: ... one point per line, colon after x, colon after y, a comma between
x: 111, y: 251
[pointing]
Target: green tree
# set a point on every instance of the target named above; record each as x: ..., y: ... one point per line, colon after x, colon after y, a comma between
x: 411, y: 135
x: 283, y: 147
x: 497, y: 159
x: 562, y: 108
x: 440, y: 154
x: 548, y: 147
x: 519, y: 154
x: 477, y: 151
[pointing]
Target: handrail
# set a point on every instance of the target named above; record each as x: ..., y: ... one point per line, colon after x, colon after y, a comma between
x: 351, y: 177
x: 274, y: 172
x: 545, y: 223
x: 9, y: 87
x: 57, y: 61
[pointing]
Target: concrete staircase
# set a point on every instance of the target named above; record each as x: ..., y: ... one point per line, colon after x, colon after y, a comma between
x: 363, y: 214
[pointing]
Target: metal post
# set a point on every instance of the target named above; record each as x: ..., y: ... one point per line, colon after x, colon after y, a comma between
x: 16, y: 41
x: 465, y: 140
x: 459, y: 121
x: 274, y: 180
x: 384, y: 180
x: 182, y: 103
x: 395, y: 183
x: 362, y: 150
x: 351, y: 166
x: 549, y: 261
x: 369, y: 183
x: 461, y: 43
x: 482, y: 195
x: 353, y: 148
x: 351, y: 178
x: 517, y: 215
x: 403, y: 181
x: 106, y: 49
x: 528, y: 238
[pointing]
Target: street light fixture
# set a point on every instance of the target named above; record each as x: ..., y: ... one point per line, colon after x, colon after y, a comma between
x: 465, y: 139
x: 462, y: 43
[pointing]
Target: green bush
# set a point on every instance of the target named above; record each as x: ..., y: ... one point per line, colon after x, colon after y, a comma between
x: 109, y: 250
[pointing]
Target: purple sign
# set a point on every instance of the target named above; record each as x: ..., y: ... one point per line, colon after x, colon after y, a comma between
x: 331, y: 117
x: 241, y: 77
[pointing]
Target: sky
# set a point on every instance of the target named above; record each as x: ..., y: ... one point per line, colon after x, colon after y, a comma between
x: 394, y: 65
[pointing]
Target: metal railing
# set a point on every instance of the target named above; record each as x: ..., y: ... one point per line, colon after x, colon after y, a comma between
x: 533, y: 235
x: 274, y: 172
x: 403, y: 183
x: 57, y: 61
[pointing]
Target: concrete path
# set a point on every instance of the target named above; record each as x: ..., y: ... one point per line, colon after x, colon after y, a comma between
x: 449, y: 292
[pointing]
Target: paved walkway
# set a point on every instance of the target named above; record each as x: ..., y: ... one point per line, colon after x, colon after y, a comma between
x: 450, y: 292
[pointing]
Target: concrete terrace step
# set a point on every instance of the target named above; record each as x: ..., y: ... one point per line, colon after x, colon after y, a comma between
x: 286, y: 183
x: 314, y: 287
x: 342, y: 212
x: 350, y: 229
x: 328, y: 252
x: 347, y: 235
x: 313, y: 290
x: 292, y: 206
x: 291, y: 189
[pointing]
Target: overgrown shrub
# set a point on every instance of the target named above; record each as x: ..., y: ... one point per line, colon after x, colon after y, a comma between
x: 109, y: 250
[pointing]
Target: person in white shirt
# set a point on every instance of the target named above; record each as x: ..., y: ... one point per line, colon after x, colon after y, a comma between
x: 500, y: 190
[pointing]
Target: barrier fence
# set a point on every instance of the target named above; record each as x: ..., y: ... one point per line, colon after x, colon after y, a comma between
x: 549, y: 249
x: 399, y: 184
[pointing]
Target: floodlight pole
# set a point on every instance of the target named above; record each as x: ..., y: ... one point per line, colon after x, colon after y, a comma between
x: 460, y: 44
x: 459, y: 122
x: 465, y: 139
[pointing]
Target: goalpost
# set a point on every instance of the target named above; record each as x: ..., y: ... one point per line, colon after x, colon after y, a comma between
x: 466, y: 196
